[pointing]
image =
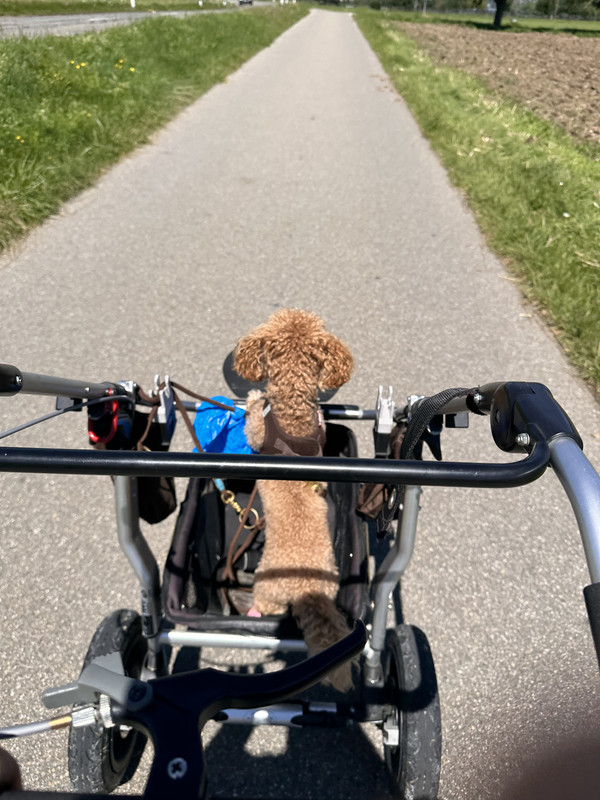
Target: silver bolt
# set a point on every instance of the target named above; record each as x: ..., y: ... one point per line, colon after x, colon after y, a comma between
x: 477, y: 398
x: 83, y: 717
x: 522, y: 439
x: 104, y: 711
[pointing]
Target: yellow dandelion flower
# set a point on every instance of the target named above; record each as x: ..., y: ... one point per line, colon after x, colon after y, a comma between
x: 131, y: 69
x: 121, y: 61
x: 84, y: 63
x: 78, y: 66
x: 71, y: 61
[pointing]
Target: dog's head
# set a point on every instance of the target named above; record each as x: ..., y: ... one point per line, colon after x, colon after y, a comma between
x: 293, y: 343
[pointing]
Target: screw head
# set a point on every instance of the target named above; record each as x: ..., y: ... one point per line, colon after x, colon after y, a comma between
x: 176, y: 768
x: 137, y: 693
x: 522, y: 439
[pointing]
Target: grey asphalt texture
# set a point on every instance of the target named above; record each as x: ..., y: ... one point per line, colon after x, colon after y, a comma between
x: 72, y: 24
x: 302, y: 181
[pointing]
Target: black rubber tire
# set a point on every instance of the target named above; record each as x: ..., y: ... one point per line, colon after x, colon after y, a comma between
x: 100, y: 759
x: 411, y: 698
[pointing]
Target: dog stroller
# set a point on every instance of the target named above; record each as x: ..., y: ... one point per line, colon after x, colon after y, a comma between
x: 125, y: 691
x: 206, y: 588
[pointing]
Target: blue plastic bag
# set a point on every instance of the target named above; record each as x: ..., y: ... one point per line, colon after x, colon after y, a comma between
x: 221, y: 431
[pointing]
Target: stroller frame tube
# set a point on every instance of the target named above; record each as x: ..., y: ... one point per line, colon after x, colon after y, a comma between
x: 175, y: 638
x: 387, y: 578
x: 142, y: 560
x: 582, y: 485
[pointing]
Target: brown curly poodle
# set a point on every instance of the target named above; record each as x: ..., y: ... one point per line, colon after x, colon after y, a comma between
x: 294, y: 353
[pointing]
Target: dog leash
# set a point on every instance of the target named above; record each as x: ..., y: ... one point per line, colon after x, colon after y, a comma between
x: 232, y: 554
x: 226, y: 495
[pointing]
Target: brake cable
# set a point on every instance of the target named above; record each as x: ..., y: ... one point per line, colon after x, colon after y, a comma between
x: 59, y: 411
x: 30, y: 728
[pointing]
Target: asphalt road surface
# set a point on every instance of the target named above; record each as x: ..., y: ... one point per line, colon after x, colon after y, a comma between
x: 71, y: 24
x: 303, y: 181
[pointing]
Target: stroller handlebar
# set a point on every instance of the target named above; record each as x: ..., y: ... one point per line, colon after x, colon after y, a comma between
x: 13, y: 381
x: 524, y: 418
x: 356, y: 470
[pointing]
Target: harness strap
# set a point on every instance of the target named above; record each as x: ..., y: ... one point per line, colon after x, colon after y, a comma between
x: 279, y: 443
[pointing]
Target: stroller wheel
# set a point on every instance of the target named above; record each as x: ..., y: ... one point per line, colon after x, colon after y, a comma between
x: 100, y: 759
x: 412, y: 731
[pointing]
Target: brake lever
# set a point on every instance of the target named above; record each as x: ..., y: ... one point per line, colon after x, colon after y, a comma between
x: 104, y: 675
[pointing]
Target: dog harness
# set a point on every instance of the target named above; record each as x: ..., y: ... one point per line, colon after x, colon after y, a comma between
x: 279, y: 443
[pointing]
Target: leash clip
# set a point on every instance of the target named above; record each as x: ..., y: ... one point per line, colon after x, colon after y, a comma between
x: 228, y: 499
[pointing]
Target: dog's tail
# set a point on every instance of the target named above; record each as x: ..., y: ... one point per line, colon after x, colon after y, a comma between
x: 323, y: 624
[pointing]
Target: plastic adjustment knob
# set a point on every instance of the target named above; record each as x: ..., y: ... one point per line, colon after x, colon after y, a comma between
x: 11, y: 380
x: 502, y: 414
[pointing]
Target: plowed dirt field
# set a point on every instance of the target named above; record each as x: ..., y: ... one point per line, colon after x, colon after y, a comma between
x: 557, y: 76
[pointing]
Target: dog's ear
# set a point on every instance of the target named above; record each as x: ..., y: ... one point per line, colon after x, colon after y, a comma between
x: 248, y: 358
x: 338, y: 363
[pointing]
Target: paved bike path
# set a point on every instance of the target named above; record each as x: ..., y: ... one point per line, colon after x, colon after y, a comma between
x: 303, y: 180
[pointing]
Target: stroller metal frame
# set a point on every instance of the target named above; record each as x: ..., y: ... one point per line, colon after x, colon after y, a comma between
x: 524, y: 417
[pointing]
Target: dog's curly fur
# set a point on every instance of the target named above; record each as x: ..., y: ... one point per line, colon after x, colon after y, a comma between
x: 297, y: 356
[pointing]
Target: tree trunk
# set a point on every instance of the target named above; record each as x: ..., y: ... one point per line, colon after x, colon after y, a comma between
x: 500, y: 8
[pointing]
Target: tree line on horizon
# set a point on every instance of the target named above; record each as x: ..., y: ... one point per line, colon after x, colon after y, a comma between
x: 567, y: 9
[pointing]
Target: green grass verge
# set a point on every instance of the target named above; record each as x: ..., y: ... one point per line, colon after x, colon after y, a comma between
x: 71, y: 106
x: 35, y: 7
x: 534, y: 190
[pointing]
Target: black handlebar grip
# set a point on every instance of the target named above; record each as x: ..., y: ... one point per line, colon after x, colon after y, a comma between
x: 11, y: 380
x: 592, y: 602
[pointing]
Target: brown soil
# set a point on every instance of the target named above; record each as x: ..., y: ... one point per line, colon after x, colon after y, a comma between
x: 557, y: 76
